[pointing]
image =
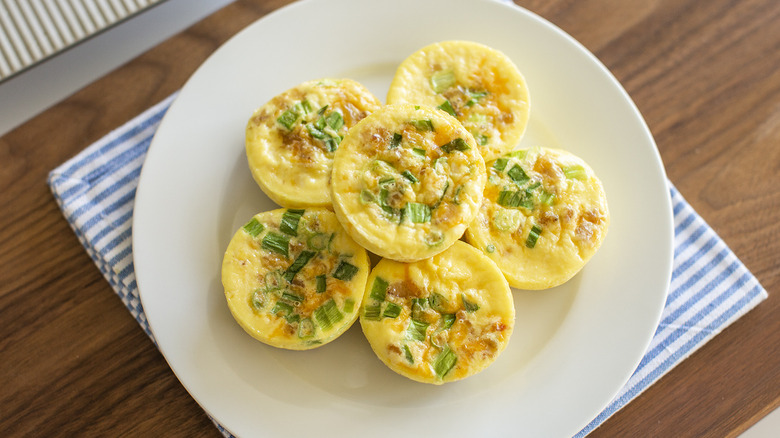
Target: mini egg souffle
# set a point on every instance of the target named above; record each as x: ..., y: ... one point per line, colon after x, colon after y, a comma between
x: 407, y: 181
x: 291, y: 140
x: 478, y: 85
x: 294, y: 279
x: 440, y: 319
x: 544, y: 215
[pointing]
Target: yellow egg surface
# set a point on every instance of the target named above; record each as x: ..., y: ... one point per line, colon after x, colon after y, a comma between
x: 293, y: 278
x: 440, y: 319
x: 290, y: 141
x: 407, y: 181
x: 543, y: 216
x: 479, y: 85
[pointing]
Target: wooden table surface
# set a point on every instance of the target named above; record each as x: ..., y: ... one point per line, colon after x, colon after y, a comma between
x: 704, y: 73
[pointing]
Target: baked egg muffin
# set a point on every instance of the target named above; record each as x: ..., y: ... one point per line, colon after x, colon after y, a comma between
x: 440, y: 319
x: 543, y: 216
x: 479, y: 85
x: 290, y: 141
x: 407, y: 181
x: 293, y: 278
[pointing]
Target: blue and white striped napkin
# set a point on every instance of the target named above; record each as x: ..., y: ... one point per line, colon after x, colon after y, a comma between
x: 710, y: 287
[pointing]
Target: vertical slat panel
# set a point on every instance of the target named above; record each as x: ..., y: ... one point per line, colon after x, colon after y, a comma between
x: 33, y: 30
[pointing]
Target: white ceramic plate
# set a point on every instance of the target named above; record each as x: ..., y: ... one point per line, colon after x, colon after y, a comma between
x: 573, y: 347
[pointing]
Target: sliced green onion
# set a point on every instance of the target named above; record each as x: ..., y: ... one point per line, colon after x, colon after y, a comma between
x: 477, y: 118
x: 446, y: 106
x: 328, y: 314
x: 419, y: 152
x: 438, y: 302
x: 274, y: 280
x: 447, y: 320
x: 345, y: 271
x: 408, y: 354
x: 481, y: 139
x: 379, y: 289
x: 475, y: 96
x: 291, y: 297
x: 456, y: 195
x: 510, y: 198
x: 518, y: 175
x: 288, y: 119
x: 439, y: 163
x: 396, y: 140
x: 457, y: 144
x: 422, y: 125
x: 332, y: 144
x: 321, y: 283
x: 418, y: 307
x: 318, y: 241
x: 533, y: 236
x: 444, y: 362
x: 349, y: 305
x: 334, y: 120
x: 520, y: 154
x: 435, y: 238
x: 408, y: 175
x: 254, y: 227
x: 417, y: 330
x: 305, y: 328
x: 293, y: 318
x: 366, y: 197
x: 500, y: 164
x: 372, y: 312
x: 442, y: 80
x: 290, y: 220
x: 443, y: 194
x: 418, y: 213
x: 470, y: 306
x: 386, y: 181
x: 392, y: 310
x: 322, y: 110
x: 282, y: 307
x: 257, y: 300
x: 490, y: 248
x: 277, y: 243
x: 506, y: 220
x: 546, y: 197
x: 298, y: 264
x: 316, y: 132
x: 575, y: 172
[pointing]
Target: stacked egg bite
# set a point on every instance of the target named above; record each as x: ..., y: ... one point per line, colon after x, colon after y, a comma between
x: 431, y: 183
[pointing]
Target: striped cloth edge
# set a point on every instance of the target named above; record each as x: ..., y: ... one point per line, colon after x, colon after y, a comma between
x: 710, y: 287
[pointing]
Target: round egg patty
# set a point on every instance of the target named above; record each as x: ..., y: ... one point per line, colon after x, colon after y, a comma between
x: 479, y: 85
x: 440, y: 319
x: 407, y: 181
x: 290, y: 141
x: 293, y: 278
x: 544, y: 215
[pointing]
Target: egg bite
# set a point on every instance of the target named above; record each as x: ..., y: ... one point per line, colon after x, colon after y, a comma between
x: 294, y: 279
x: 543, y: 216
x: 407, y: 181
x: 479, y: 85
x: 440, y: 319
x: 291, y: 140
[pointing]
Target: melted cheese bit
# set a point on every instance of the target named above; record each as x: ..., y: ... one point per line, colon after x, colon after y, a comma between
x: 544, y: 215
x: 407, y: 181
x: 440, y: 319
x: 293, y: 279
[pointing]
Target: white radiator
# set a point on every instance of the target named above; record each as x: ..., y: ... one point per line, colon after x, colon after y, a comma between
x: 33, y: 30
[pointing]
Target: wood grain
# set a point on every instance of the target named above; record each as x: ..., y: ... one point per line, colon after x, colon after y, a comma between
x: 704, y: 73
